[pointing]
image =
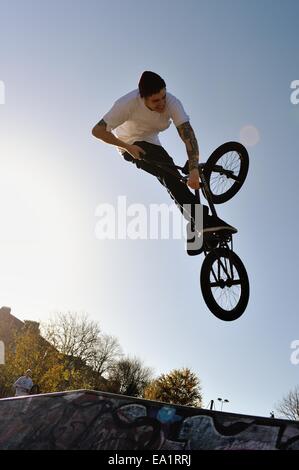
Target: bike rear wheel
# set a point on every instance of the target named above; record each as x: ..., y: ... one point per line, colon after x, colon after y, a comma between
x: 226, y: 170
x: 224, y: 284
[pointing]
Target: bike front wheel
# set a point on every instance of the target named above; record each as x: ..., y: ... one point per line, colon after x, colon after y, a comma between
x: 224, y: 284
x: 226, y: 170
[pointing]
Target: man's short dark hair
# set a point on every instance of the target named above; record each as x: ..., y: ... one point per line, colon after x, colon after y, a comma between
x: 150, y: 83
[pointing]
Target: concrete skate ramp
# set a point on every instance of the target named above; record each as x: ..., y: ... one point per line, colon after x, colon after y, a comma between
x: 94, y: 420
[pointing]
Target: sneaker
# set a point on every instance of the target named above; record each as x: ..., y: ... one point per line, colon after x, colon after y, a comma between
x: 214, y: 224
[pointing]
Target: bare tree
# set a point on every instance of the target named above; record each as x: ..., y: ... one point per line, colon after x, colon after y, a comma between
x: 131, y: 376
x: 73, y: 335
x: 106, y: 353
x: 84, y: 348
x: 289, y: 405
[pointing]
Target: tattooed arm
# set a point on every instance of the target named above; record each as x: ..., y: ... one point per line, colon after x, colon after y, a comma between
x: 100, y: 132
x: 187, y: 135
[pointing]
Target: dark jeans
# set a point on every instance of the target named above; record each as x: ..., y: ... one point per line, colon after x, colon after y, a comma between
x: 178, y: 191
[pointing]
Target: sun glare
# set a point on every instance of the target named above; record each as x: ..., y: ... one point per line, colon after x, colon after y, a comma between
x: 40, y: 223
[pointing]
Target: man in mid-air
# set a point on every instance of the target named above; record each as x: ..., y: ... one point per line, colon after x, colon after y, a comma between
x: 137, y: 118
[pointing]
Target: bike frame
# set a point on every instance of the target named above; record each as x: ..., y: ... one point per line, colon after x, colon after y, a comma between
x: 224, y: 239
x: 222, y: 268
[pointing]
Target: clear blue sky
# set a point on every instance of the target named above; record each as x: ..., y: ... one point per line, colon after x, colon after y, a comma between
x: 231, y: 63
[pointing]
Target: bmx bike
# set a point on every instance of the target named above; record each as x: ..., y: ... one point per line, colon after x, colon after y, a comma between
x: 223, y: 277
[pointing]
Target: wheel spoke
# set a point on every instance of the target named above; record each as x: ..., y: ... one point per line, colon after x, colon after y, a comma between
x: 221, y: 183
x: 226, y: 285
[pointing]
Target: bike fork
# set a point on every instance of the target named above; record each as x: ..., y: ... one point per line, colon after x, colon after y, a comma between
x: 206, y: 191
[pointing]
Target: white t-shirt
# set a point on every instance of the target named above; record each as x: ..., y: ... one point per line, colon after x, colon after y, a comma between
x: 133, y: 121
x: 23, y: 385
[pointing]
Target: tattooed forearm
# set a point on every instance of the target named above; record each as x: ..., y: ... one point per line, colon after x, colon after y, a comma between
x: 187, y: 134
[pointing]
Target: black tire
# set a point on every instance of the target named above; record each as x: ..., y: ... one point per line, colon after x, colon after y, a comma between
x: 233, y: 159
x: 222, y: 267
